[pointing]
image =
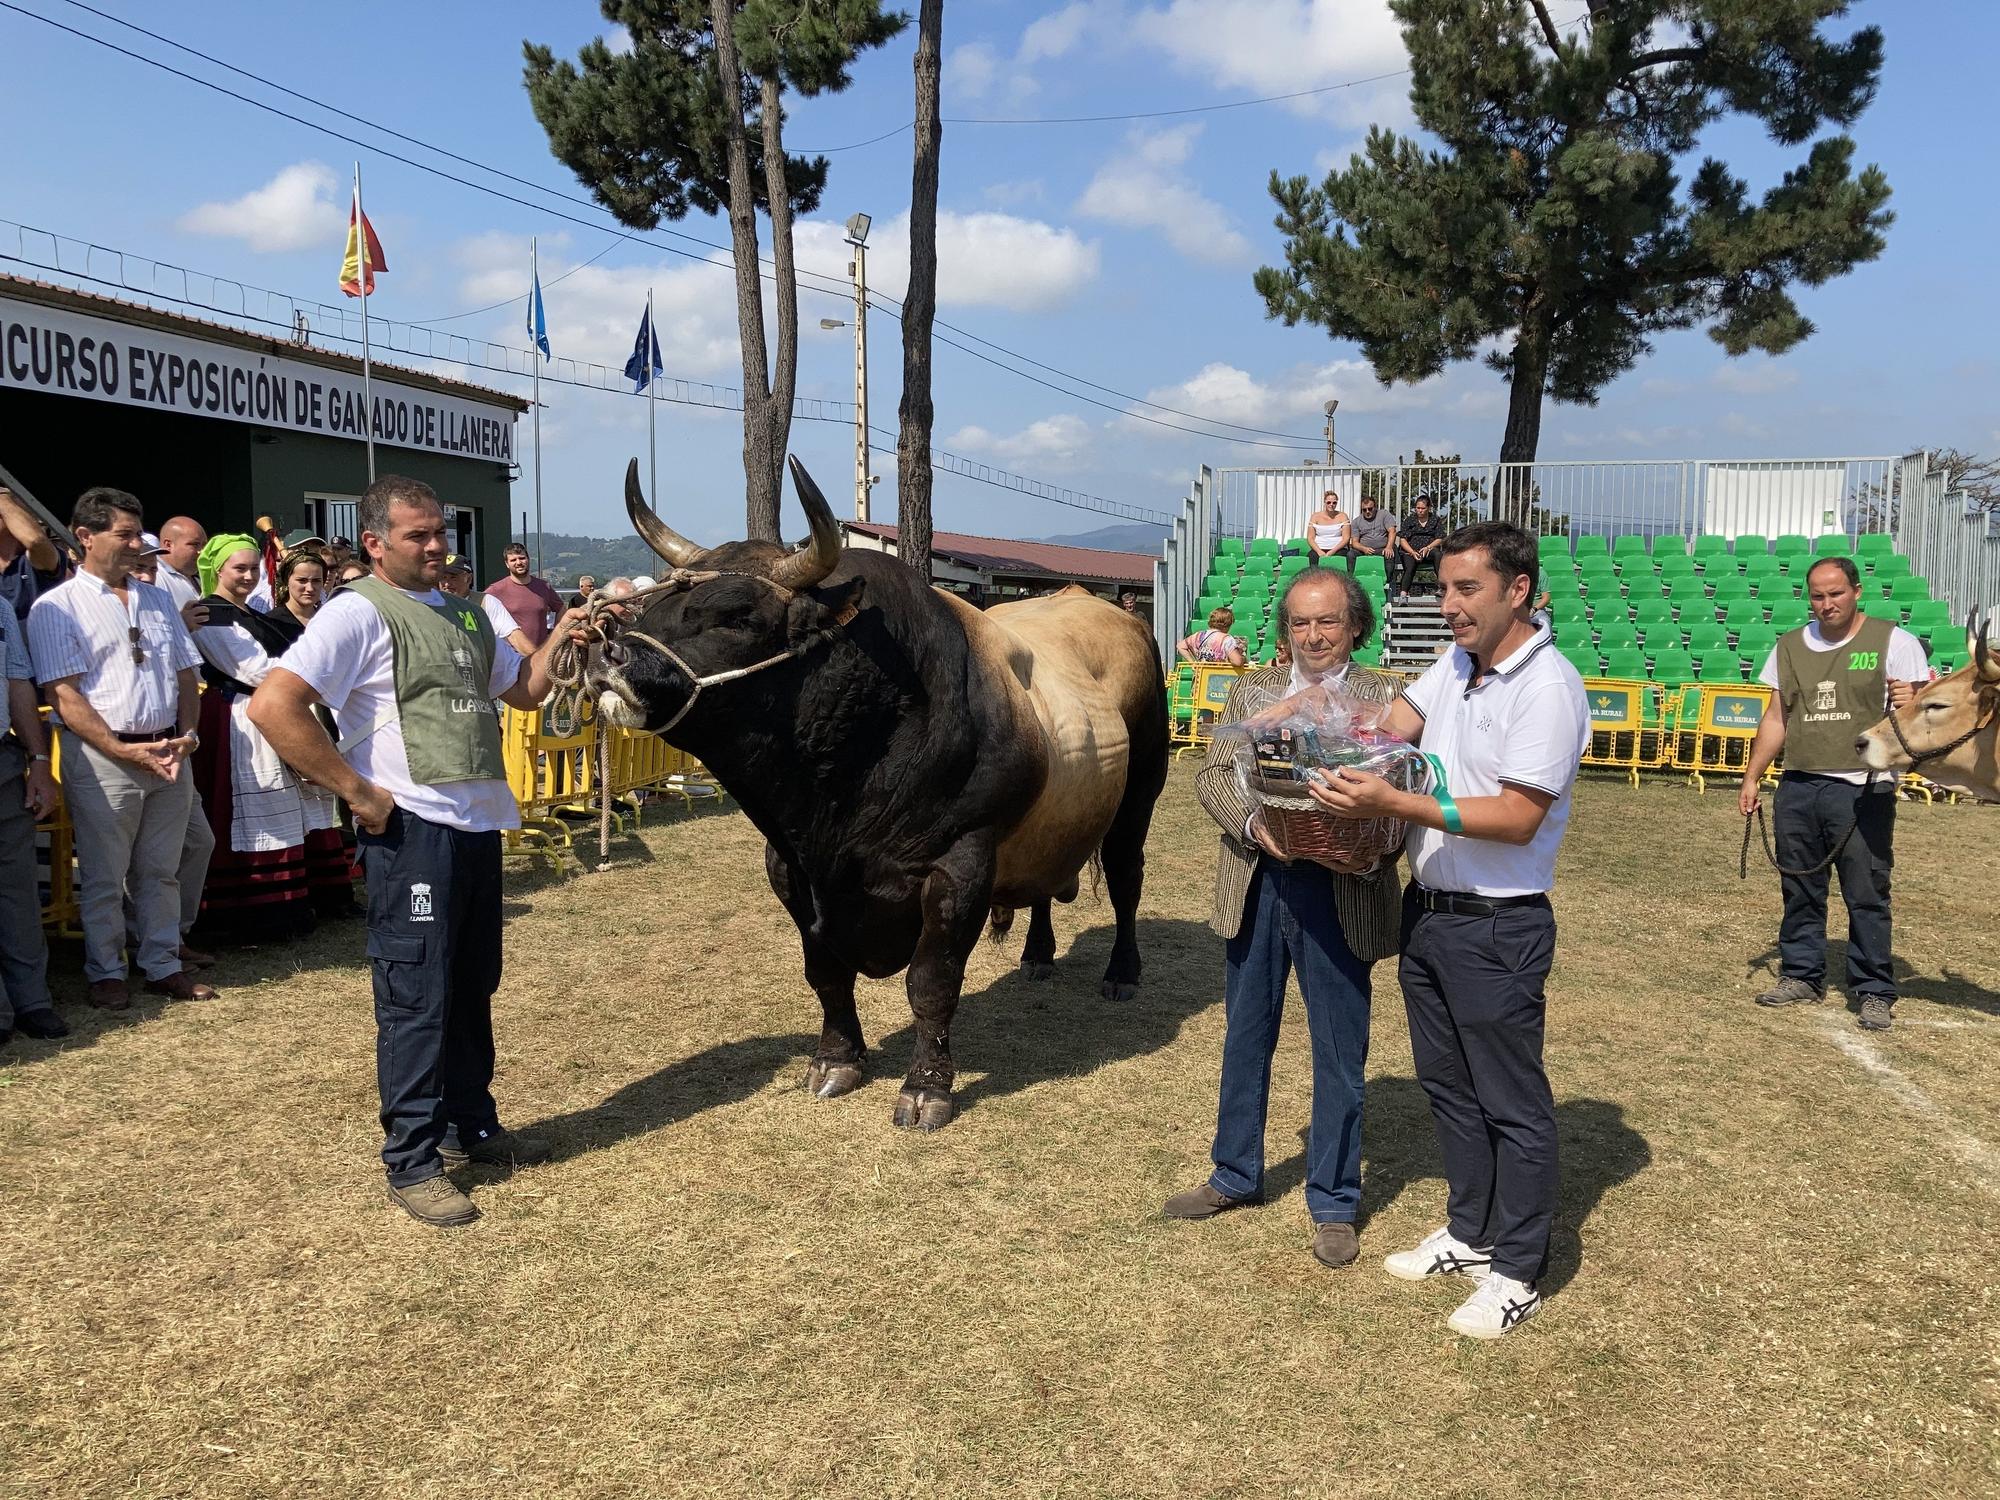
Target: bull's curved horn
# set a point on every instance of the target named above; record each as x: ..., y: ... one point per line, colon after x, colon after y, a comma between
x: 1982, y: 654
x: 806, y: 567
x: 662, y: 538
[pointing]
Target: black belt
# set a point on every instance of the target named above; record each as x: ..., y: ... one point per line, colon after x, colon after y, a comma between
x: 143, y: 737
x: 1464, y: 904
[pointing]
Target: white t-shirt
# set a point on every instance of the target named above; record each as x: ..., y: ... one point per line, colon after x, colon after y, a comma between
x: 499, y: 616
x: 1527, y: 724
x: 1906, y: 662
x: 348, y: 657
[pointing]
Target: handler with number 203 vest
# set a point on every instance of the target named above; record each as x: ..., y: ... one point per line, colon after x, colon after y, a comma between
x: 412, y: 675
x: 1831, y: 679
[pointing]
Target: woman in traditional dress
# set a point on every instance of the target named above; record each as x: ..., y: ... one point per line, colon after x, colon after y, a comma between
x: 330, y: 872
x: 256, y: 806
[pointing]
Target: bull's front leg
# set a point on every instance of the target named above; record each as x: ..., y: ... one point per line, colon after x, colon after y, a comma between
x: 841, y: 1062
x: 956, y: 896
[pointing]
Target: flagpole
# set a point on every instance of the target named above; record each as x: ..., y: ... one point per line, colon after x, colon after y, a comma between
x: 367, y: 377
x: 652, y: 380
x: 535, y: 358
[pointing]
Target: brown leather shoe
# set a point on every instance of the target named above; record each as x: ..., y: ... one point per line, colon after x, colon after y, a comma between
x: 110, y: 994
x: 1335, y: 1245
x: 1203, y: 1202
x: 181, y: 985
x: 194, y: 958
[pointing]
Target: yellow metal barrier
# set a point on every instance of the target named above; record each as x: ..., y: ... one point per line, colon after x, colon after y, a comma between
x: 1713, y: 725
x: 1628, y: 719
x: 553, y: 770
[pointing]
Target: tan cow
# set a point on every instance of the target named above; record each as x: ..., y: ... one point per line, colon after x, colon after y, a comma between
x: 1950, y: 731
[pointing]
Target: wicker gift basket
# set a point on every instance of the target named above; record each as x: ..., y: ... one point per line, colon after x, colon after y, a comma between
x: 1290, y: 742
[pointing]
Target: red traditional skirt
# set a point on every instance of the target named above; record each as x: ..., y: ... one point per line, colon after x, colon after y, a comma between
x: 331, y: 871
x: 257, y: 895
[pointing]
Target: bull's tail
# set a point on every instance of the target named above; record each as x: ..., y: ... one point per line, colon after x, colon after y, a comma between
x: 999, y: 922
x: 1097, y: 874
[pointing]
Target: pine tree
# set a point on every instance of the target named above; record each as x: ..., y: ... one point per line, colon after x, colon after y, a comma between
x: 692, y: 118
x: 913, y: 443
x: 1553, y: 217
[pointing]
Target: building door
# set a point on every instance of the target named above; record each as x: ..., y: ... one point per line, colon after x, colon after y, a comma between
x: 329, y: 516
x: 461, y: 524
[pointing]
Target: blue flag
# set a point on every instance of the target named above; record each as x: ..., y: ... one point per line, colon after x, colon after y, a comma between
x: 638, y: 369
x: 538, y: 327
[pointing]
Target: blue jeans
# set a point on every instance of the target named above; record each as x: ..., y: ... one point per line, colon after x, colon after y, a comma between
x: 1812, y: 814
x: 1289, y: 923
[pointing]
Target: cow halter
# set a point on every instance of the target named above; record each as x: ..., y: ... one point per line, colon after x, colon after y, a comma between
x: 1896, y: 725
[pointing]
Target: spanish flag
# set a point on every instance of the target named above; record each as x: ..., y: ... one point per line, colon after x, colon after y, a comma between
x: 350, y: 266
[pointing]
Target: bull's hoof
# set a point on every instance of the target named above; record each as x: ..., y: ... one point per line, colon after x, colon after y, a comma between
x: 923, y: 1109
x: 829, y: 1078
x: 1118, y: 989
x: 1037, y: 969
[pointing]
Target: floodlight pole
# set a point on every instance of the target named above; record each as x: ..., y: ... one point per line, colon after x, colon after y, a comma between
x: 858, y: 268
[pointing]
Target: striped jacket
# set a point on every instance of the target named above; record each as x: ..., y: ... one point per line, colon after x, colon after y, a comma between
x: 1370, y: 906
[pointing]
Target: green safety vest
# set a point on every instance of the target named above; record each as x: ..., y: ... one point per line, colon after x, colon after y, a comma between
x: 1831, y: 696
x: 443, y: 667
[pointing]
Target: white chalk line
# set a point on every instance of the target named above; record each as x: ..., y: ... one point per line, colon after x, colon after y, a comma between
x: 1970, y: 1149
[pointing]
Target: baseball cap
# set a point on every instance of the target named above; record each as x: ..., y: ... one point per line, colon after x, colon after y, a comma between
x: 453, y: 563
x: 150, y: 545
x: 300, y: 537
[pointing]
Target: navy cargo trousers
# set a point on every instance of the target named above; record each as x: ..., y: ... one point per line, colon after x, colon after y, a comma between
x: 434, y: 946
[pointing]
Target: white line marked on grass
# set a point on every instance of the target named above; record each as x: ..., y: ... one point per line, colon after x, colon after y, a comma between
x: 1975, y: 1153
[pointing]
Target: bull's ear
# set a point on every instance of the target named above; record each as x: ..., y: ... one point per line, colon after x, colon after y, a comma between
x: 826, y: 608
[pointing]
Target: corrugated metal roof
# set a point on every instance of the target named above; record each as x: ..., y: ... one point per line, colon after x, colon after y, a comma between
x: 51, y: 294
x: 1051, y: 560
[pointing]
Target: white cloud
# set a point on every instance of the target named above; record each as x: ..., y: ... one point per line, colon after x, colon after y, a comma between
x: 1061, y: 439
x: 1013, y: 194
x: 984, y: 259
x: 295, y: 210
x: 1284, y: 46
x: 1760, y: 377
x: 970, y: 70
x: 1144, y: 188
x: 1055, y: 34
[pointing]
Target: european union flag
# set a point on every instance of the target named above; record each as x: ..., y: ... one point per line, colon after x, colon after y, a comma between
x: 639, y: 369
x: 538, y: 326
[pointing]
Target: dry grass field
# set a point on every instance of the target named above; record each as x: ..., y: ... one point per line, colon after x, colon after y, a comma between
x: 1773, y: 1270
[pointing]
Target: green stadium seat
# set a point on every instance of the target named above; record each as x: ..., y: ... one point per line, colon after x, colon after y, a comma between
x: 1652, y: 612
x: 1230, y: 546
x: 1561, y: 580
x: 1291, y: 567
x: 1789, y: 616
x: 1672, y: 666
x: 1367, y: 566
x: 1950, y: 659
x: 1760, y: 565
x: 1610, y: 612
x: 1730, y: 586
x: 1928, y: 617
x: 1719, y: 565
x: 1586, y: 661
x: 1889, y: 565
x: 1263, y: 546
x: 1644, y: 586
x: 1874, y: 544
x: 1549, y: 546
x: 1672, y: 567
x: 1791, y: 544
x: 1741, y: 614
x: 1706, y: 635
x: 1833, y: 544
x: 1773, y: 588
x: 1708, y: 545
x: 1664, y: 547
x: 1751, y: 544
x: 1568, y: 611
x: 1616, y: 635
x: 1629, y: 543
x: 1721, y: 666
x: 1629, y: 664
x: 1591, y: 546
x: 1906, y: 593
x: 1298, y: 546
x: 1369, y: 656
x: 1653, y: 639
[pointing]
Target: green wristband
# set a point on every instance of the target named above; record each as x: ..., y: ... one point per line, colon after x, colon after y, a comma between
x: 1453, y: 823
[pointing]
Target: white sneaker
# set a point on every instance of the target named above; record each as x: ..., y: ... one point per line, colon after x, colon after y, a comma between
x: 1500, y: 1305
x: 1438, y: 1254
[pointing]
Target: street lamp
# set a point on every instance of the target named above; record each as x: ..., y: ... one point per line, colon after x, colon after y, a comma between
x: 857, y: 236
x: 1330, y: 408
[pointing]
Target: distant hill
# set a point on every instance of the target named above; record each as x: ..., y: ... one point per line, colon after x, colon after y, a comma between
x: 1131, y: 536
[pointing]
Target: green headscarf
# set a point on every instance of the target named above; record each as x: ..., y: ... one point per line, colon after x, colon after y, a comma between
x: 218, y: 551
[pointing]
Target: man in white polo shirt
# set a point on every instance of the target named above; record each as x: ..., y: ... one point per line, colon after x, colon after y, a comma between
x: 1505, y: 716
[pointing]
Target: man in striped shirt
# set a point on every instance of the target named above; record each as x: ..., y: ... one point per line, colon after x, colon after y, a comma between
x: 118, y: 667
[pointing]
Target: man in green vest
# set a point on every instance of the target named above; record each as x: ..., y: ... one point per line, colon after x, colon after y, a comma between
x: 1832, y: 678
x: 411, y: 674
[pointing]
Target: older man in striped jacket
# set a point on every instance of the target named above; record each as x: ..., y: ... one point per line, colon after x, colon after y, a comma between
x: 1327, y: 922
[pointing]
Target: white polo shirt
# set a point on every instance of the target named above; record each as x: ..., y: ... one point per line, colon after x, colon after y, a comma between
x: 1527, y: 724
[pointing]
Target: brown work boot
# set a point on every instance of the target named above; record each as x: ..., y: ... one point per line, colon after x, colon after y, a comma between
x: 1792, y: 992
x: 1335, y: 1244
x: 497, y: 1148
x: 194, y: 958
x: 110, y: 994
x: 435, y: 1202
x: 1203, y: 1202
x: 181, y: 985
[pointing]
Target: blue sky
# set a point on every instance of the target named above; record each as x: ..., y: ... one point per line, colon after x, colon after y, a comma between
x: 1118, y: 252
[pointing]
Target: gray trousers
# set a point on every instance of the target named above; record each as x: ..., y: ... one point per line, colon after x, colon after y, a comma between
x: 196, y: 848
x: 24, y: 954
x: 129, y: 825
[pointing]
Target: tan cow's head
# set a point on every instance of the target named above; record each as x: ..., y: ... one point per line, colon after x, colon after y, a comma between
x: 1961, y: 711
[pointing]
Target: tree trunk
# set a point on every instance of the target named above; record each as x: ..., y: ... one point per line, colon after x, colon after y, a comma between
x: 1513, y: 496
x: 760, y: 488
x: 785, y: 375
x: 913, y: 442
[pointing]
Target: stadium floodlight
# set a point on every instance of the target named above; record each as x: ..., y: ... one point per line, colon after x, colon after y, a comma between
x: 857, y: 229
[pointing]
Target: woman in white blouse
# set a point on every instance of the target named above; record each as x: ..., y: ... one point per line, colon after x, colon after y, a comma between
x: 259, y: 810
x: 1326, y: 531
